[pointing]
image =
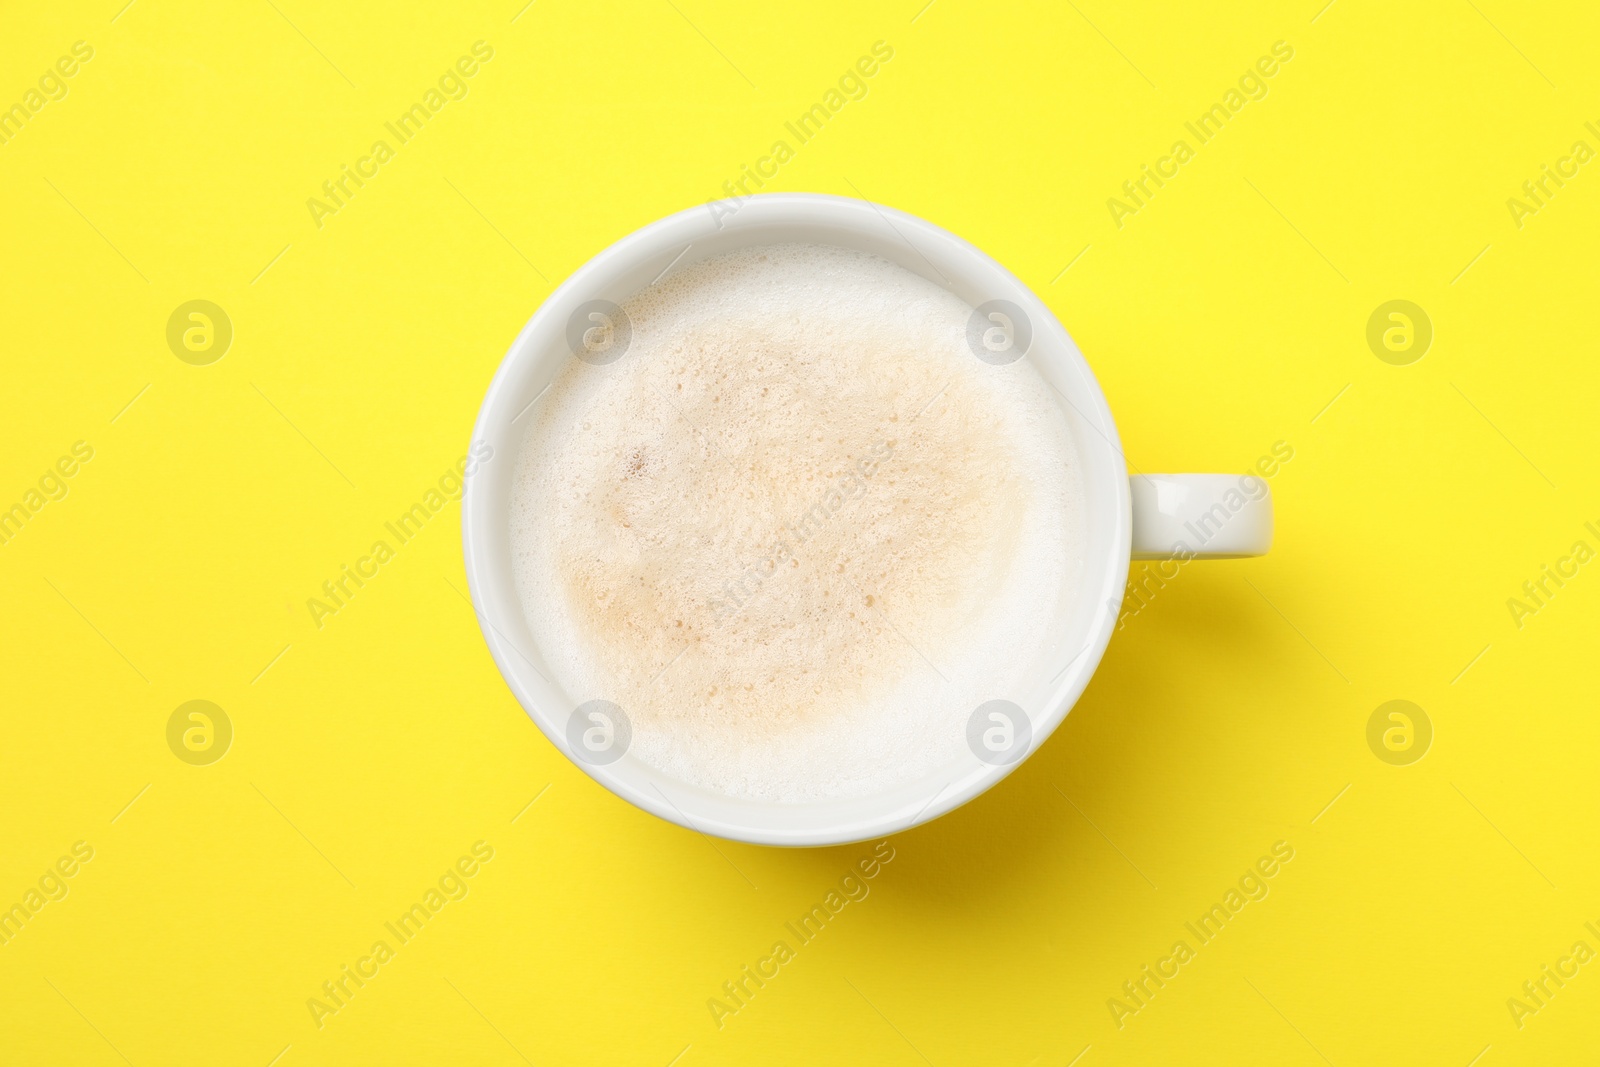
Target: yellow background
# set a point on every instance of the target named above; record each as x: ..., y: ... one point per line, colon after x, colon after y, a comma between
x: 1227, y: 714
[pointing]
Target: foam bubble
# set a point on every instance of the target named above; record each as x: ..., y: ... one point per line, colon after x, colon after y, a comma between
x: 798, y: 531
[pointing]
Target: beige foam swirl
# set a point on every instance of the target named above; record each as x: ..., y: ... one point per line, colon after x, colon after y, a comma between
x: 788, y: 528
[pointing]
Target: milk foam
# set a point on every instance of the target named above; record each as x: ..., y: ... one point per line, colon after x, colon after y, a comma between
x: 798, y: 532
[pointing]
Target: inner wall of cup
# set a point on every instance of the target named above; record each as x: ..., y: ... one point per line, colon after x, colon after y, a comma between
x: 617, y: 275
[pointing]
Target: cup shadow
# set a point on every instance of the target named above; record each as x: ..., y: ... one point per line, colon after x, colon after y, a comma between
x: 1039, y: 818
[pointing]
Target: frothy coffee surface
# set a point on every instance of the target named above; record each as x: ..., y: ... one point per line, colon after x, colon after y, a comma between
x: 798, y: 531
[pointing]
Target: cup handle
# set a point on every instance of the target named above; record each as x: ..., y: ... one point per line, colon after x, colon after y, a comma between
x: 1200, y: 516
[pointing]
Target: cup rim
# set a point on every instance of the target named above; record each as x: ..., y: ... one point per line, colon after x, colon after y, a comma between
x: 826, y: 214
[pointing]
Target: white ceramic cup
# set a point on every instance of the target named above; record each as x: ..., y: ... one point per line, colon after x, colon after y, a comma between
x: 1187, y: 516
